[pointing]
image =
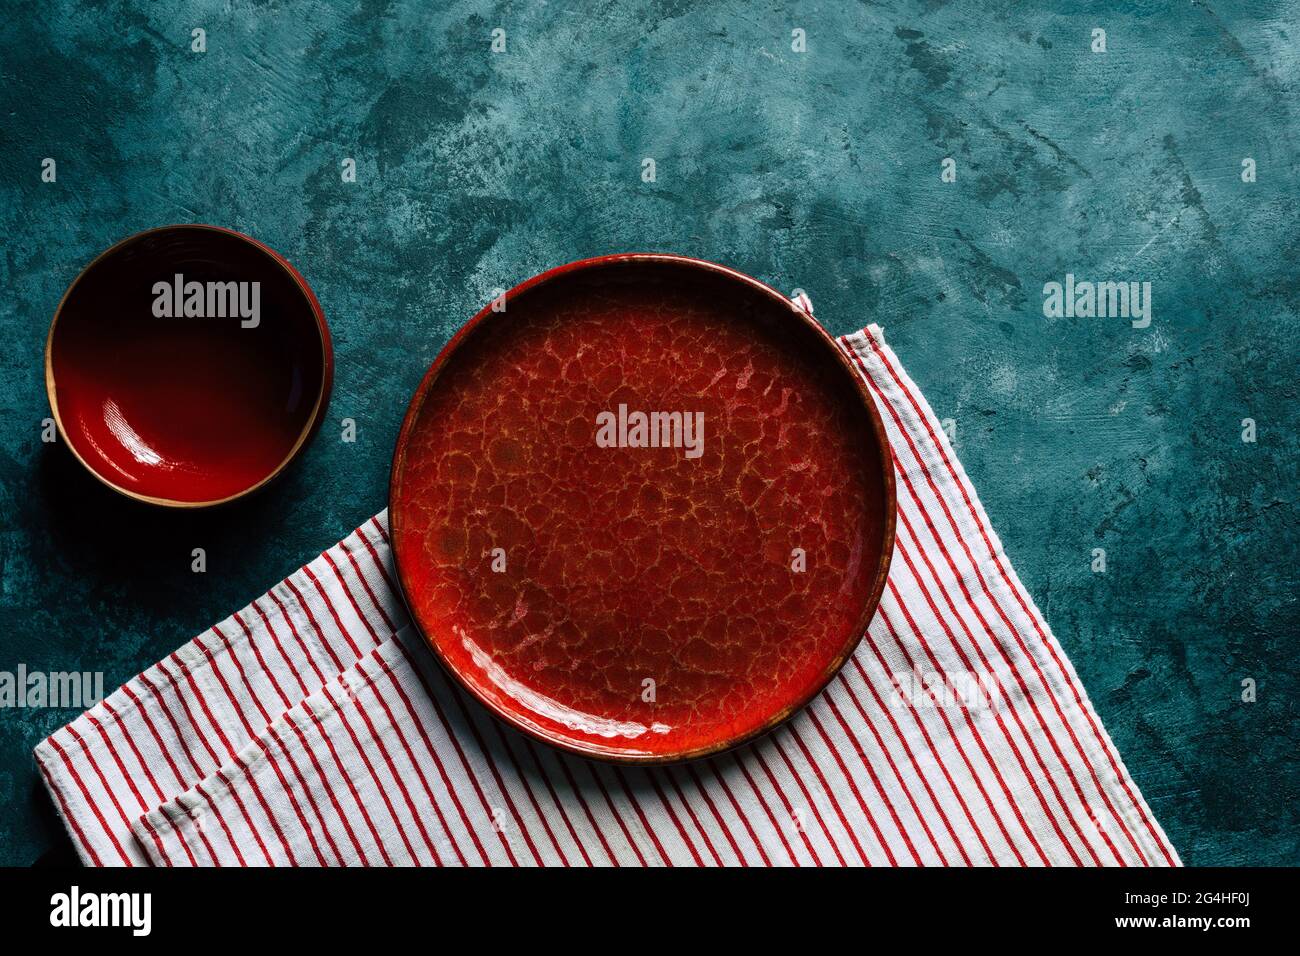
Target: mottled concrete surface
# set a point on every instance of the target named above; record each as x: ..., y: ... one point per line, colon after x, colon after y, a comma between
x: 819, y: 170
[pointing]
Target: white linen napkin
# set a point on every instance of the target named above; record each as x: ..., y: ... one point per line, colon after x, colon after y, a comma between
x: 314, y: 728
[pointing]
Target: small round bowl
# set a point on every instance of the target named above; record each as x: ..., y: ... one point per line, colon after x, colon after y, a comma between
x: 632, y: 594
x: 188, y: 365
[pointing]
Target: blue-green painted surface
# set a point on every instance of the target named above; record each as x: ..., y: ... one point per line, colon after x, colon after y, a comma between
x: 819, y: 170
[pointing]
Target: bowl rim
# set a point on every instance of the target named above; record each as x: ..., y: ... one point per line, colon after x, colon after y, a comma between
x: 887, y: 486
x: 318, y: 409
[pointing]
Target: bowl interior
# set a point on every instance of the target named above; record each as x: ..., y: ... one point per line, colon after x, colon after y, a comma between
x: 176, y: 407
x: 644, y: 594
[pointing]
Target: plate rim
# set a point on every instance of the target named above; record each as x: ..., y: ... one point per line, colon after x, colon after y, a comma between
x: 887, y: 485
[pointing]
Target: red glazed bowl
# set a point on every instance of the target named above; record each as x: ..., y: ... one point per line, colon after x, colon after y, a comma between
x: 638, y: 593
x: 188, y: 365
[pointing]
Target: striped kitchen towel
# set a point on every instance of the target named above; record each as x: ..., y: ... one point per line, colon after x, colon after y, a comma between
x: 312, y: 727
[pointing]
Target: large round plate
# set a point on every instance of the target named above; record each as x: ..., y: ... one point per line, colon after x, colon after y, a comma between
x: 642, y: 592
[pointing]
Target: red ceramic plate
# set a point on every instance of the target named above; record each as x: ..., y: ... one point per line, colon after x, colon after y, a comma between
x: 188, y: 391
x: 642, y: 589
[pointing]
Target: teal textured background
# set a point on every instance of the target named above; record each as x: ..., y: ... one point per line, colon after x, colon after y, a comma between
x: 819, y: 170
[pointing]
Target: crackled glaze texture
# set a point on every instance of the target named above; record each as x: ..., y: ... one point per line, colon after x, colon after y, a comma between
x: 625, y: 565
